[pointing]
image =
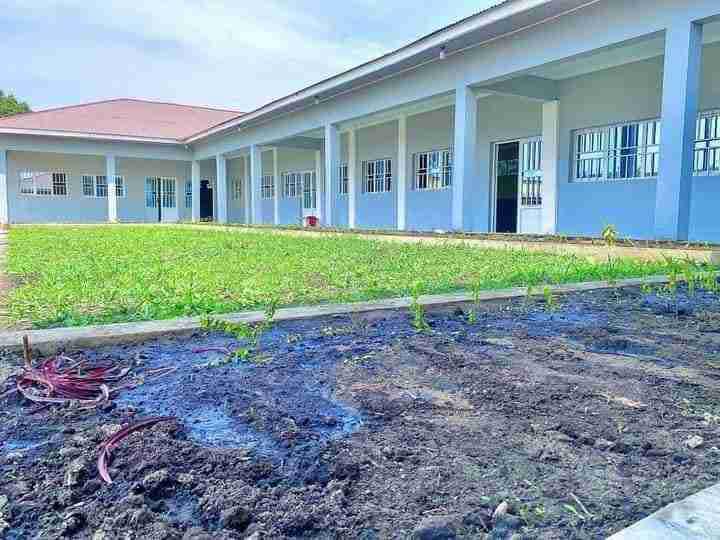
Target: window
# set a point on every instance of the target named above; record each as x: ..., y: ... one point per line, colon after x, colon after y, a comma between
x: 343, y: 179
x: 44, y: 183
x: 188, y: 193
x: 707, y: 144
x: 96, y: 186
x: 309, y: 187
x: 267, y: 189
x: 291, y: 185
x: 377, y: 176
x: 433, y: 170
x: 623, y: 151
x: 236, y: 186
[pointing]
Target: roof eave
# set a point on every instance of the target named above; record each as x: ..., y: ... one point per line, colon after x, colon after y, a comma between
x: 90, y: 136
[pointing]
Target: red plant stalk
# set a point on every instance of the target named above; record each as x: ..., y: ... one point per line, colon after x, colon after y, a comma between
x: 109, y: 444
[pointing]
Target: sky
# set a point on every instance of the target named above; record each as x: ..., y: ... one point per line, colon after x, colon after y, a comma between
x: 228, y: 54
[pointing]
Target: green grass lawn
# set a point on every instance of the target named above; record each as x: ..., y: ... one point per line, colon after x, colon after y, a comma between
x: 71, y: 276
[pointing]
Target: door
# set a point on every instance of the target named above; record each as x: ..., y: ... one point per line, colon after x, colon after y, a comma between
x: 530, y: 213
x: 309, y: 198
x: 507, y: 166
x: 206, y: 201
x: 161, y: 199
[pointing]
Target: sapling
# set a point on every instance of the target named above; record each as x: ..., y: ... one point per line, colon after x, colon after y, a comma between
x: 472, y: 315
x: 418, y: 310
x: 246, y: 333
x: 550, y: 301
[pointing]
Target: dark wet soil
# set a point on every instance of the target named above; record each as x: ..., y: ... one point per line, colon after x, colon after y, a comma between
x: 361, y: 427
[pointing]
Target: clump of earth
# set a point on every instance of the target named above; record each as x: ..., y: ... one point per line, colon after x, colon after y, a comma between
x: 529, y: 422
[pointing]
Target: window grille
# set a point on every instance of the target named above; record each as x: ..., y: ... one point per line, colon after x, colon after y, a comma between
x: 44, y: 183
x: 343, y: 179
x: 377, y: 175
x: 433, y: 170
x: 291, y: 185
x: 267, y: 188
x: 188, y: 194
x: 236, y: 186
x: 96, y: 186
x: 621, y: 151
x: 707, y: 144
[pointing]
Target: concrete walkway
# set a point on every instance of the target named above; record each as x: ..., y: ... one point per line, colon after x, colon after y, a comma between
x: 593, y: 249
x: 695, y: 518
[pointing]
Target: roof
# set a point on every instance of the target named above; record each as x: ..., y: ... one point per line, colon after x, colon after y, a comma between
x: 121, y: 118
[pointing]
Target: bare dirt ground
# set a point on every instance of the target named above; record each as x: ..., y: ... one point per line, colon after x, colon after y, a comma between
x: 583, y: 419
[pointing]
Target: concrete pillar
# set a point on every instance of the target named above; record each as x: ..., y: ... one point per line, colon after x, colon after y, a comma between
x: 247, y: 190
x: 221, y: 215
x: 110, y: 173
x: 681, y: 87
x: 276, y: 184
x: 464, y: 173
x: 4, y: 204
x: 352, y: 179
x: 255, y: 184
x: 332, y: 171
x: 320, y: 191
x: 402, y: 176
x: 550, y: 157
x: 195, y: 179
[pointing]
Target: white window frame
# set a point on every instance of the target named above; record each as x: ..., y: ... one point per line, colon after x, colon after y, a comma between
x: 29, y: 176
x: 343, y: 179
x: 377, y: 176
x: 236, y: 189
x: 292, y: 184
x: 706, y: 147
x: 601, y: 154
x: 267, y: 186
x: 432, y: 170
x: 98, y: 186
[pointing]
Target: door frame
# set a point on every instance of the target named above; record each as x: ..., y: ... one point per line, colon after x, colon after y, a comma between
x: 494, y: 182
x: 303, y: 211
x: 159, y: 193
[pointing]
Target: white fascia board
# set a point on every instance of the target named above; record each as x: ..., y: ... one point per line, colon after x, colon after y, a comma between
x: 413, y: 109
x: 435, y: 40
x: 88, y: 136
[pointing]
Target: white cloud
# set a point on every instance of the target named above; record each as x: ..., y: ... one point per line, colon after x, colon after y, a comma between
x: 240, y: 53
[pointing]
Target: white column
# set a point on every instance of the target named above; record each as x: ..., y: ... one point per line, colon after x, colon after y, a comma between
x: 276, y: 183
x: 464, y: 159
x: 110, y: 173
x: 4, y: 204
x: 222, y: 186
x: 195, y: 179
x: 332, y: 170
x: 247, y: 190
x: 402, y: 177
x: 681, y: 86
x: 255, y: 183
x: 319, y: 177
x: 352, y: 179
x: 550, y: 156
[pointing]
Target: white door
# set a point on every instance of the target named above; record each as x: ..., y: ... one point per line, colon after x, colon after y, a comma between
x: 309, y: 195
x: 530, y: 188
x: 161, y: 199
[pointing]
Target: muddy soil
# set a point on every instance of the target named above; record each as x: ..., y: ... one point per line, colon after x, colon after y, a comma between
x: 584, y: 418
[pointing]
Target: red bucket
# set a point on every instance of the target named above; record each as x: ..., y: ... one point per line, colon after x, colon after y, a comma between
x: 311, y: 221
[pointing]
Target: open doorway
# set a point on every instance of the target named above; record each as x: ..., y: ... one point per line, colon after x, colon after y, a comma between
x: 507, y: 168
x: 206, y: 201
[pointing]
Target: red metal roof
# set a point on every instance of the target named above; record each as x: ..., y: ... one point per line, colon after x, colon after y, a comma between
x: 123, y: 118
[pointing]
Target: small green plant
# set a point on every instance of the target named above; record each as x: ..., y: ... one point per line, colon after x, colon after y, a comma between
x: 418, y: 310
x: 529, y: 297
x: 646, y: 289
x: 246, y: 333
x: 610, y: 236
x: 551, y: 303
x: 472, y: 315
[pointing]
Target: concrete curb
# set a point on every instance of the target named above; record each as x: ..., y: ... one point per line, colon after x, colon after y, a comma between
x: 50, y: 341
x: 694, y: 518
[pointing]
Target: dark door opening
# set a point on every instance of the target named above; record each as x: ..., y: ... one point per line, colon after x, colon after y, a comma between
x: 206, y: 201
x: 508, y: 168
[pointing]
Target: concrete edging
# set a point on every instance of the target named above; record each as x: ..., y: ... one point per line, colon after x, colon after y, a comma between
x: 693, y: 518
x: 50, y: 341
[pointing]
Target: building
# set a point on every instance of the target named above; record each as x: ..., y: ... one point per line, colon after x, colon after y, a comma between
x: 534, y: 116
